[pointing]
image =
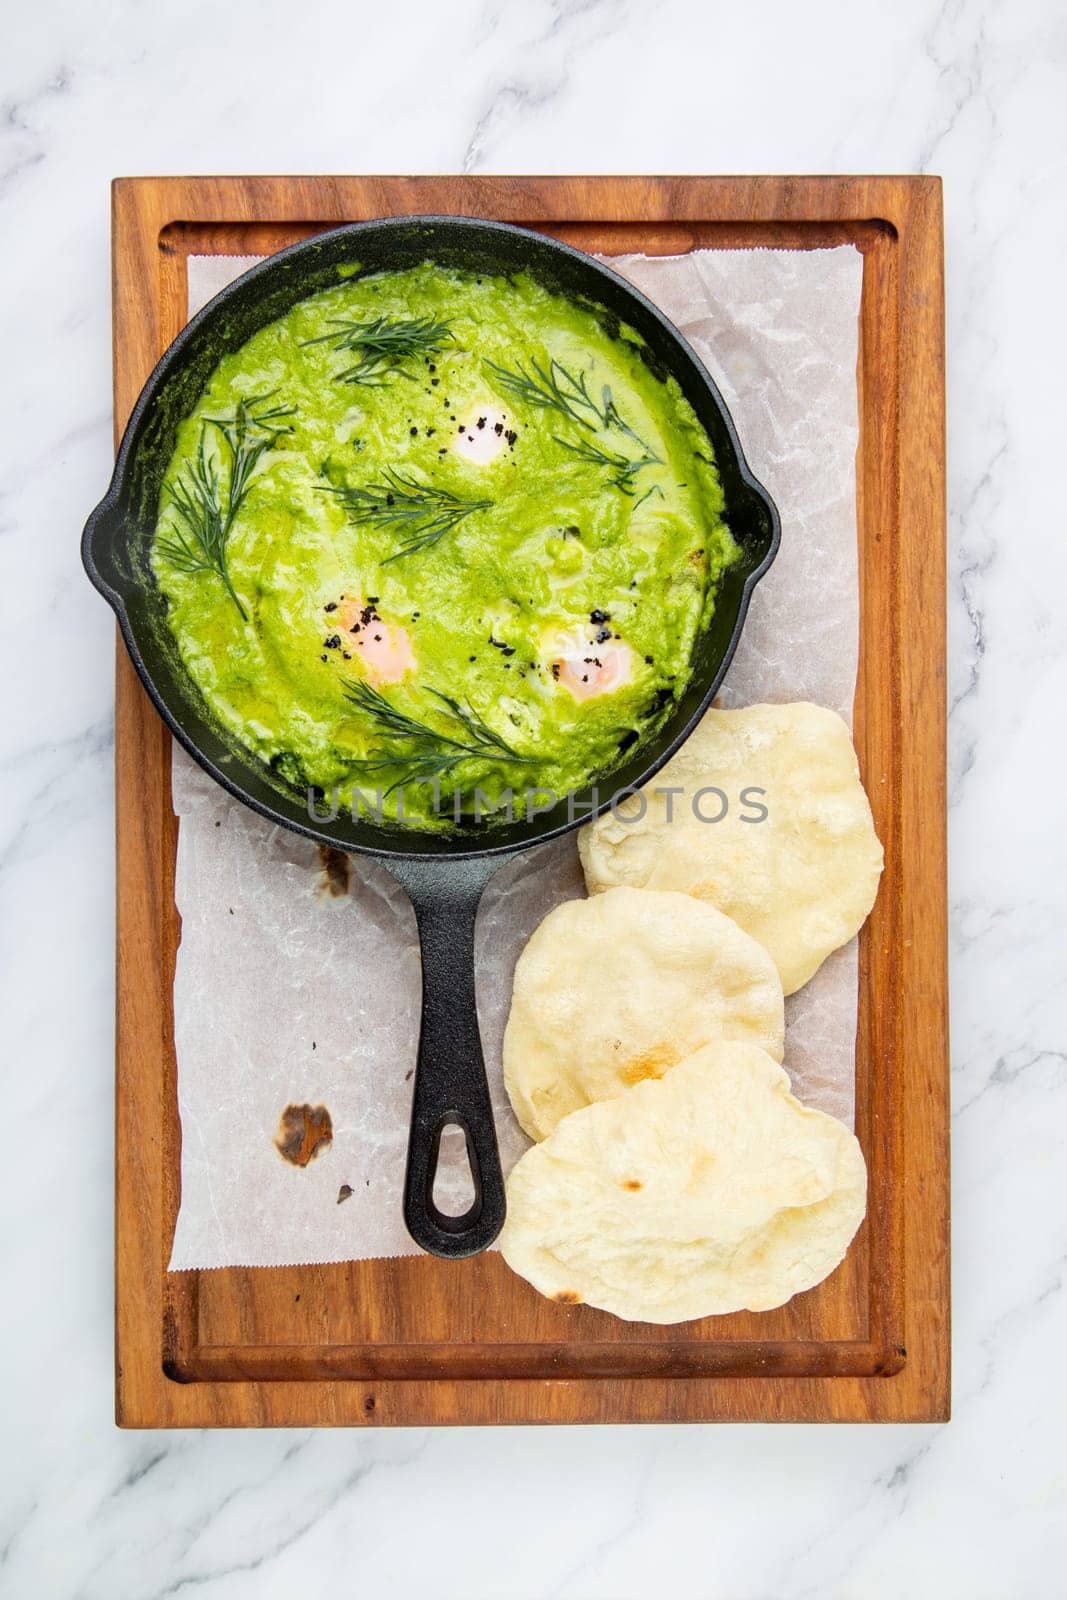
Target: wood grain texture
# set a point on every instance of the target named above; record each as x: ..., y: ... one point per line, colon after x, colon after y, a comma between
x: 424, y: 1341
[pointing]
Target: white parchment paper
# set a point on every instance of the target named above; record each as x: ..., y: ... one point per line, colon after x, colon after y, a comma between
x: 296, y: 985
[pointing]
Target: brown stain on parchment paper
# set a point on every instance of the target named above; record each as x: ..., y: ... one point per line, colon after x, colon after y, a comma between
x: 302, y: 1132
x: 336, y: 871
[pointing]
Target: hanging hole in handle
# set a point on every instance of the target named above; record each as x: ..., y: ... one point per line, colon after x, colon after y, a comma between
x: 454, y: 1191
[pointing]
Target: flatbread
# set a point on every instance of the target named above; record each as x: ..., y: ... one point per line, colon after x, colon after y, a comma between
x: 803, y: 880
x: 706, y: 1191
x: 622, y: 987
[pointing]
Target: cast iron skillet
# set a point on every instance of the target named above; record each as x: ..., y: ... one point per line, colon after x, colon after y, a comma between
x: 443, y: 874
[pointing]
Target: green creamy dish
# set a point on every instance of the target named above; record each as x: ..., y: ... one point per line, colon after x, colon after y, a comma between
x: 433, y: 533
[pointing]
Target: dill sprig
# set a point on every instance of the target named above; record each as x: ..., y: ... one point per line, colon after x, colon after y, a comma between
x: 425, y: 752
x: 557, y: 388
x: 422, y: 512
x: 207, y: 504
x: 611, y: 417
x: 554, y: 388
x: 653, y: 488
x: 197, y: 541
x: 383, y: 345
x: 623, y: 469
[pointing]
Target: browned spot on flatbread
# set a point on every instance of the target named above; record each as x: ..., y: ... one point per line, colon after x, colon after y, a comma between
x: 336, y: 870
x: 568, y: 1297
x: 631, y: 1183
x: 302, y: 1132
x: 653, y: 1064
x: 701, y: 1169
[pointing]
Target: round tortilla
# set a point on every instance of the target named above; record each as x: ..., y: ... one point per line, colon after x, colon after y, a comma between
x: 619, y: 988
x: 707, y: 1191
x: 802, y: 880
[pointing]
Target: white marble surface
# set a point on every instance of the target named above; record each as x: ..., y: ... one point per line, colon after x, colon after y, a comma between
x: 975, y: 91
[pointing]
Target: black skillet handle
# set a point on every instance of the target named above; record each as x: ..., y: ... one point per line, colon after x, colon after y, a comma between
x: 450, y: 1081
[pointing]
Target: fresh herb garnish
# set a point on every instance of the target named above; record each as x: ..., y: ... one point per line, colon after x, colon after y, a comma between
x: 383, y: 345
x: 559, y: 389
x: 655, y: 488
x: 553, y: 389
x: 423, y: 512
x: 612, y: 418
x: 423, y: 751
x: 623, y: 469
x: 207, y: 502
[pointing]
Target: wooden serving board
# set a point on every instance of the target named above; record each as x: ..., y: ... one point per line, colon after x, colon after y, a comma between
x: 417, y: 1340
